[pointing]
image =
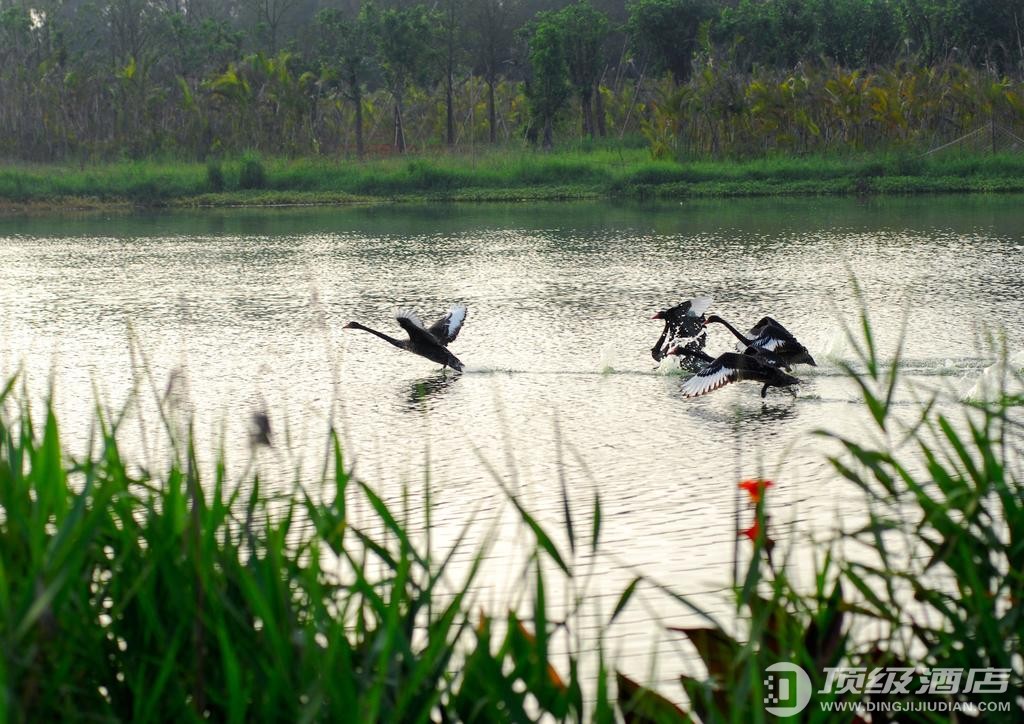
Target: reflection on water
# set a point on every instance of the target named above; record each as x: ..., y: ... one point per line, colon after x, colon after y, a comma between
x: 425, y: 393
x: 249, y: 306
x: 769, y: 414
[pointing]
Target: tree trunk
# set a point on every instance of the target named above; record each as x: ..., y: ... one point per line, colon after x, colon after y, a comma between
x: 449, y: 72
x: 588, y: 115
x: 399, y: 130
x: 548, y: 141
x: 599, y: 111
x: 450, y: 109
x: 359, y: 125
x: 492, y: 116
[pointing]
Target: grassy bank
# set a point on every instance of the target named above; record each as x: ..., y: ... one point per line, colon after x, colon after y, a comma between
x: 496, y: 176
x: 173, y: 596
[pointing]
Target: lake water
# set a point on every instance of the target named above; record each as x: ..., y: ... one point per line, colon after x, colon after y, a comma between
x: 244, y: 310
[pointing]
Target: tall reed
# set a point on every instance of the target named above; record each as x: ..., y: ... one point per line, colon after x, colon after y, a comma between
x: 139, y: 595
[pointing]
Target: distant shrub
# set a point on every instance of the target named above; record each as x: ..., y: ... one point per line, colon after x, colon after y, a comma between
x: 423, y: 176
x: 660, y: 174
x: 906, y: 165
x: 871, y: 169
x: 251, y: 175
x: 144, y: 191
x: 214, y: 176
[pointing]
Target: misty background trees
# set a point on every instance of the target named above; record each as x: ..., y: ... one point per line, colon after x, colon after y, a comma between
x: 90, y: 80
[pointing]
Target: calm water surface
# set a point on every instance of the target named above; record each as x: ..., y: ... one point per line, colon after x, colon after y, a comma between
x: 248, y: 306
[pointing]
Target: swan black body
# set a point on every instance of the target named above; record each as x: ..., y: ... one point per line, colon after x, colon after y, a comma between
x: 770, y: 336
x: 430, y: 343
x: 731, y: 367
x: 684, y: 325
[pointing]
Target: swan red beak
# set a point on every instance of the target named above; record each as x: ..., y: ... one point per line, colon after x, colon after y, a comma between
x: 657, y: 316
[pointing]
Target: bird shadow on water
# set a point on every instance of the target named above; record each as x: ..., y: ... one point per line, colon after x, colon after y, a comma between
x: 424, y: 392
x: 767, y: 412
x: 764, y: 412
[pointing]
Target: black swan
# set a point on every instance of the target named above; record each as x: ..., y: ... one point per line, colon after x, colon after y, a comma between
x: 430, y: 343
x: 735, y: 367
x: 682, y: 322
x: 701, y: 358
x: 770, y: 336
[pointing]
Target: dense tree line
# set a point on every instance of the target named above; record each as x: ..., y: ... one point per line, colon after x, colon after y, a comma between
x: 91, y: 79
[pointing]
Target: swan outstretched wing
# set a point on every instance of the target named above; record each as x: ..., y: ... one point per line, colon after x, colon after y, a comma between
x: 446, y: 329
x: 762, y: 324
x: 683, y: 323
x: 767, y: 357
x: 717, y: 374
x: 691, y: 310
x: 686, y: 320
x: 768, y: 335
x: 413, y: 326
x: 699, y: 305
x: 409, y: 316
x: 776, y: 338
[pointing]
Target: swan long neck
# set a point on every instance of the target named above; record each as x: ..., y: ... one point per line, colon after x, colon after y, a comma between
x: 386, y: 338
x: 696, y: 354
x: 736, y: 332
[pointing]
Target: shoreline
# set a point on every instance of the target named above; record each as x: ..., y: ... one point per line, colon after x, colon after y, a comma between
x: 501, y: 177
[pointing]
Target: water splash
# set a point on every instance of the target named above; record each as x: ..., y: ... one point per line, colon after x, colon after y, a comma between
x: 834, y: 347
x: 606, y: 361
x: 1004, y: 377
x: 670, y: 366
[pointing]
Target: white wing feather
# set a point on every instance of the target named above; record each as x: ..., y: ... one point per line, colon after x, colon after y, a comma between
x: 456, y: 316
x: 699, y: 305
x: 702, y: 384
x: 763, y: 342
x: 409, y: 314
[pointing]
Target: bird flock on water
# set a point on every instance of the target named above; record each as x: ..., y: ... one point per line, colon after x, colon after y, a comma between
x: 765, y: 354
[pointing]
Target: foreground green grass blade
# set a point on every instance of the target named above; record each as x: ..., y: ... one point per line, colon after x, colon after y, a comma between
x: 167, y: 594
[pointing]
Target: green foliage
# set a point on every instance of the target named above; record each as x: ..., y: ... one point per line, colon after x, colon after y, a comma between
x: 600, y: 169
x: 548, y: 88
x: 214, y: 175
x: 133, y: 598
x: 663, y: 33
x: 15, y: 24
x: 824, y: 107
x: 933, y: 579
x: 173, y: 593
x: 408, y: 51
x: 857, y: 33
x: 976, y: 30
x: 776, y: 33
x: 143, y: 595
x: 345, y: 47
x: 584, y: 31
x: 408, y: 44
x: 110, y: 80
x: 946, y: 524
x: 251, y: 174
